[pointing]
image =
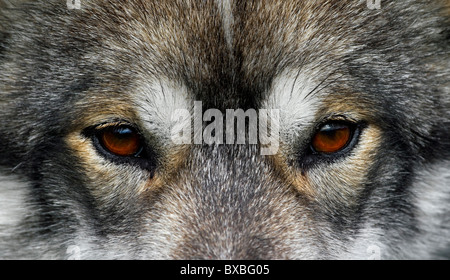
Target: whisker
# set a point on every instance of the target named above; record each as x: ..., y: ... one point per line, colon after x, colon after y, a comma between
x: 314, y: 90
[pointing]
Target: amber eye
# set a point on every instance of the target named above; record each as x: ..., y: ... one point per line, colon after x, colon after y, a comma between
x: 332, y: 137
x: 121, y: 140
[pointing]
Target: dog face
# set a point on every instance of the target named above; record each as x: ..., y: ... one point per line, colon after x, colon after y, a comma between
x: 89, y: 102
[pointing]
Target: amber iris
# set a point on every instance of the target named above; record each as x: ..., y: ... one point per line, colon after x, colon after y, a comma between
x: 331, y: 138
x: 121, y: 141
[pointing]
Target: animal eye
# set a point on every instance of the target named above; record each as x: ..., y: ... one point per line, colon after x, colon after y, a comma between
x: 332, y: 137
x: 122, y: 141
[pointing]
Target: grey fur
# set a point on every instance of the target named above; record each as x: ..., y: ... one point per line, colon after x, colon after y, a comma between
x: 63, y: 72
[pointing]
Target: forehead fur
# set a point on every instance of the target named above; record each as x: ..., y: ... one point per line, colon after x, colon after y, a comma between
x: 181, y: 40
x: 218, y: 46
x: 228, y: 47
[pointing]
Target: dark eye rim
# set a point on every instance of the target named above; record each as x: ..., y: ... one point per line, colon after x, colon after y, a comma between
x: 144, y: 158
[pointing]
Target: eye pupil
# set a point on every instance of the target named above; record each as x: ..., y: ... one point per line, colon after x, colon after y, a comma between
x: 122, y: 141
x: 331, y: 138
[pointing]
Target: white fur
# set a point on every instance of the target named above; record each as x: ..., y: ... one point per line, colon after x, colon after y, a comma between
x: 432, y: 195
x: 158, y: 102
x: 289, y: 94
x: 12, y: 201
x: 225, y: 8
x: 13, y: 209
